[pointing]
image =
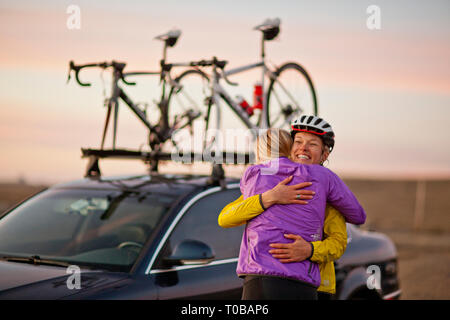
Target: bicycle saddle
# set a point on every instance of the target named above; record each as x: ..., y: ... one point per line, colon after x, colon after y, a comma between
x: 170, y: 38
x: 270, y: 28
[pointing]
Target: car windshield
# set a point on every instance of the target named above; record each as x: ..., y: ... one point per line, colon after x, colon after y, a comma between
x: 97, y: 228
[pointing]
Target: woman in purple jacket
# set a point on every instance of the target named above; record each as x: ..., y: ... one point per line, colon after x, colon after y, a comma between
x: 266, y: 277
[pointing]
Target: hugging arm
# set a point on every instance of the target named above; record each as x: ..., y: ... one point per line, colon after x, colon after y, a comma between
x: 335, y: 238
x: 240, y: 211
x: 330, y: 249
x: 343, y: 199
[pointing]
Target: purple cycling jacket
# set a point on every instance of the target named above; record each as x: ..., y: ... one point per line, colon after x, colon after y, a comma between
x: 304, y: 220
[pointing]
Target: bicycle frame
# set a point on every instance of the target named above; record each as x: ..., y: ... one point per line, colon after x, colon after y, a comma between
x: 219, y: 91
x: 113, y: 103
x: 270, y: 29
x: 119, y: 93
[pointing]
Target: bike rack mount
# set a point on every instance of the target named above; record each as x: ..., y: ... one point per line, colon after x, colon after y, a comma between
x: 153, y: 157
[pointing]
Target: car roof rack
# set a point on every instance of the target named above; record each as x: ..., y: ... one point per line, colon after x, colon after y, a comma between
x: 152, y: 158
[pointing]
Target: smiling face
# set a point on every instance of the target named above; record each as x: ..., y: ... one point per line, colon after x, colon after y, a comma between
x: 308, y: 148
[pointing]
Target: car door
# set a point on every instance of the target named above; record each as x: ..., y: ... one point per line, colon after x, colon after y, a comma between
x: 217, y: 279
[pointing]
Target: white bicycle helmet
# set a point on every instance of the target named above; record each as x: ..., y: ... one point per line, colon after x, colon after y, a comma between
x: 314, y: 125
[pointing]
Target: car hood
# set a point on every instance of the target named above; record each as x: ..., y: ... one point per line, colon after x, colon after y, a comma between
x: 25, y: 281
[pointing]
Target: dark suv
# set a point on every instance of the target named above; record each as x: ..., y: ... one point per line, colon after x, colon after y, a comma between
x: 149, y: 237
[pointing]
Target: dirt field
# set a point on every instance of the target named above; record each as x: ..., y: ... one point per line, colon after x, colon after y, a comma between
x: 423, y: 249
x: 11, y: 194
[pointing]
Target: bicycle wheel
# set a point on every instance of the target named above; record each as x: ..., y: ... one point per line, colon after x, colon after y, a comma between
x: 187, y: 109
x: 290, y: 94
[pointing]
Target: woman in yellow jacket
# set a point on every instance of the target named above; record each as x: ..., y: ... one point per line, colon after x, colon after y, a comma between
x: 323, y: 252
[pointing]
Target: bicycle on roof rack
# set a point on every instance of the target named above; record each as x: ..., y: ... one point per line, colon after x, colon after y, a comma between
x: 290, y: 92
x: 179, y: 93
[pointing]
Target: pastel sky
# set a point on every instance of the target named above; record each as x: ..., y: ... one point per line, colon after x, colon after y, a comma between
x: 386, y: 92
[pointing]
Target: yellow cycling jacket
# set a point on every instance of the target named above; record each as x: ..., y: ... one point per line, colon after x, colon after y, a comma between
x: 325, y: 252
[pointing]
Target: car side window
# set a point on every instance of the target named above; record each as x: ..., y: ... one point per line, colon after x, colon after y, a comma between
x: 200, y: 223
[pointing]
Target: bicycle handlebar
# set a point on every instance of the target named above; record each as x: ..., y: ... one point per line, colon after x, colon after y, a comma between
x: 117, y: 66
x: 207, y: 63
x: 224, y: 76
x: 216, y: 63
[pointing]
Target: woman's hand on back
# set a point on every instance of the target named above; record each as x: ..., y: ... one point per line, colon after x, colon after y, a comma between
x: 284, y: 194
x: 296, y: 251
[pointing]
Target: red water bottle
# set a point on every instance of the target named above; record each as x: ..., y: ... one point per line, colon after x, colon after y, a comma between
x: 244, y: 105
x: 258, y: 96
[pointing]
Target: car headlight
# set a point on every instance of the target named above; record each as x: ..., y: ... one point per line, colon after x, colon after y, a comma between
x: 390, y: 268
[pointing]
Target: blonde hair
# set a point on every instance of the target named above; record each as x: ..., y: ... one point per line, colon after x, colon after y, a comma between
x: 273, y: 143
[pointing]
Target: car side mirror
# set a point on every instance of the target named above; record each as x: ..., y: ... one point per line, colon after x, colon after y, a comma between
x: 190, y: 252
